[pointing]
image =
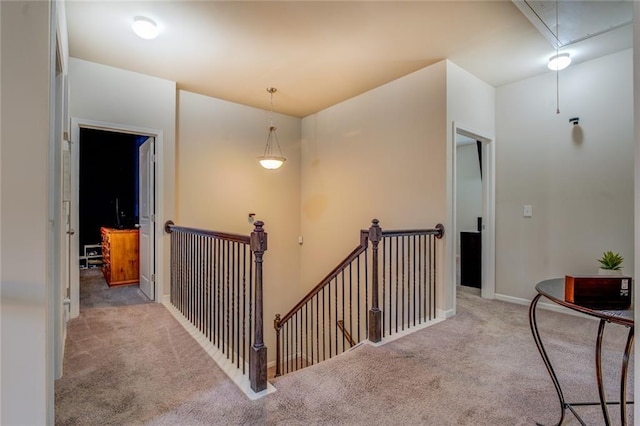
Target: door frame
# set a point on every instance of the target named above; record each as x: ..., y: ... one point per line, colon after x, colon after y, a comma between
x: 488, y: 289
x: 76, y: 125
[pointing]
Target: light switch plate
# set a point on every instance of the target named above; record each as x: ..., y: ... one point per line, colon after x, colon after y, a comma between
x: 527, y: 210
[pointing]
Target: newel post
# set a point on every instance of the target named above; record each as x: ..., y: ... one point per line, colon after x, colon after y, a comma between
x: 375, y: 314
x: 258, y: 352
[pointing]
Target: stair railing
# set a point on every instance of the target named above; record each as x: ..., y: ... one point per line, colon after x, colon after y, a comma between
x: 364, y: 297
x: 308, y: 333
x: 216, y: 283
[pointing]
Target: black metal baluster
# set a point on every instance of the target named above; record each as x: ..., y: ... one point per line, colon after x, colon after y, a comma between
x: 245, y: 343
x: 291, y: 343
x: 251, y: 295
x: 190, y: 279
x: 234, y: 304
x: 405, y: 301
x: 324, y: 332
x: 412, y: 257
x: 212, y: 294
x: 344, y: 341
x: 366, y: 288
x: 420, y: 282
x: 358, y: 291
x: 180, y: 241
x: 384, y: 286
x: 218, y: 293
x: 389, y: 271
x: 236, y: 283
x: 225, y: 300
x: 200, y: 284
x: 205, y: 287
x: 425, y: 272
x: 335, y: 329
x: 317, y: 328
x: 196, y: 281
x: 174, y: 268
x: 313, y: 321
x: 306, y: 334
x: 431, y: 281
x: 296, y: 335
x: 397, y: 280
x: 185, y: 294
x: 350, y: 301
x: 287, y: 360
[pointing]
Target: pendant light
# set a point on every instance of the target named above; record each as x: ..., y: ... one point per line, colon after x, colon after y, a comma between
x: 271, y: 160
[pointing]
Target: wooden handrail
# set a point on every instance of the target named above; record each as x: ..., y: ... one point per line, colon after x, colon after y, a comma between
x: 364, y: 242
x: 169, y: 227
x: 438, y: 232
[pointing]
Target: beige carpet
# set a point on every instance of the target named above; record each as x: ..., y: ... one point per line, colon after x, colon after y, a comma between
x: 135, y: 365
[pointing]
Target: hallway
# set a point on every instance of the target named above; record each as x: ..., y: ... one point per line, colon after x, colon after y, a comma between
x: 134, y: 364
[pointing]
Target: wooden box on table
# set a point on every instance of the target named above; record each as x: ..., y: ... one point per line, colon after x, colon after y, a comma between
x: 599, y: 291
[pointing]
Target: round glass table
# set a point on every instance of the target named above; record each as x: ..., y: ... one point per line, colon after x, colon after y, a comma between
x: 553, y: 290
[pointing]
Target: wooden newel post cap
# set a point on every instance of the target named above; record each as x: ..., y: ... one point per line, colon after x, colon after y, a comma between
x: 375, y: 232
x: 258, y: 239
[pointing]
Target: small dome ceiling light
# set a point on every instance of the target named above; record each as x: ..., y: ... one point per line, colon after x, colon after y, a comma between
x: 145, y: 28
x: 559, y: 62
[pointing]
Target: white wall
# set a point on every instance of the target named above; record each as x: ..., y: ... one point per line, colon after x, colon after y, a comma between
x: 579, y: 179
x: 24, y: 148
x: 219, y: 182
x: 378, y: 155
x: 636, y: 98
x: 470, y: 106
x: 117, y: 96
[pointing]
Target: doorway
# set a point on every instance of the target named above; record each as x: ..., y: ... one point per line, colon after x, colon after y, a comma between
x: 469, y: 214
x: 478, y: 218
x: 113, y: 181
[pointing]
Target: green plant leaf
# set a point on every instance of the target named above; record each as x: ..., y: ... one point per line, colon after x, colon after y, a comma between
x: 611, y: 260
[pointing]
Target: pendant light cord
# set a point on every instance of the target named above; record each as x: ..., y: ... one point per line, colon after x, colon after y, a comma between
x: 557, y: 68
x: 271, y: 90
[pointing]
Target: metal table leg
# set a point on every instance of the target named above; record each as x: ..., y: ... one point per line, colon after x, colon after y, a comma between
x: 603, y: 398
x: 545, y: 358
x: 598, y: 355
x: 623, y: 378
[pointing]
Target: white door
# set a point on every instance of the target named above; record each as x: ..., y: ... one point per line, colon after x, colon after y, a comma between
x: 146, y: 214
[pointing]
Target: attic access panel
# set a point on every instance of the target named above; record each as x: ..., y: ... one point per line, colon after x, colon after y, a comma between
x: 577, y: 20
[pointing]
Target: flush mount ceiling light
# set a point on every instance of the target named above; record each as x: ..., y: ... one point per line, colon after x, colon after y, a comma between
x: 145, y: 28
x: 271, y: 160
x: 559, y: 62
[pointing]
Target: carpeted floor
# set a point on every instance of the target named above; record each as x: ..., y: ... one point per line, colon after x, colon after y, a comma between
x: 134, y: 365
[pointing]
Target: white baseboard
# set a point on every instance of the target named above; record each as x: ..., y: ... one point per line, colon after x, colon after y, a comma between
x: 407, y: 331
x: 543, y: 305
x: 227, y: 365
x: 445, y: 313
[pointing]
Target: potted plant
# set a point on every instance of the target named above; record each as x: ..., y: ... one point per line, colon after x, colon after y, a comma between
x: 610, y: 263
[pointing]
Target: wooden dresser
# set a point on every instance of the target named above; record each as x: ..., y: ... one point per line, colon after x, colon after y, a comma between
x: 120, y: 256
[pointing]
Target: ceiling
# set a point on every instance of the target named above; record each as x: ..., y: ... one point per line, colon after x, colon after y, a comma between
x: 320, y: 53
